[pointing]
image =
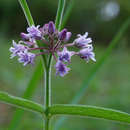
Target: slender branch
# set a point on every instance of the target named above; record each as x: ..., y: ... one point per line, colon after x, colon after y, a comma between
x: 21, y: 103
x: 38, y: 48
x: 91, y: 111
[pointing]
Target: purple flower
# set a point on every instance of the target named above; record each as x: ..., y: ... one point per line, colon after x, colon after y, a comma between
x: 54, y: 42
x: 65, y: 55
x: 26, y: 58
x: 61, y: 69
x: 82, y: 41
x: 87, y: 54
x: 51, y: 27
x: 63, y: 34
x: 34, y: 32
x: 17, y: 48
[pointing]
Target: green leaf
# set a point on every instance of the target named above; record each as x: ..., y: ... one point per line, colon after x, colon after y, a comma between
x: 27, y: 13
x: 60, y: 12
x: 21, y: 103
x: 91, y: 111
x: 32, y: 85
x: 67, y: 13
x: 94, y: 70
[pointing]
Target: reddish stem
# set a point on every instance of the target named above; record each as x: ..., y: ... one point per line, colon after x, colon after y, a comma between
x: 38, y: 48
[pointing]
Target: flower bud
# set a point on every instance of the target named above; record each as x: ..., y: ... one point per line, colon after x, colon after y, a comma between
x: 63, y: 34
x: 51, y: 28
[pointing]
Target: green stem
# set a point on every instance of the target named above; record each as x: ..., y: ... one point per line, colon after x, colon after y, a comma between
x: 47, y: 124
x: 48, y: 83
x: 48, y: 91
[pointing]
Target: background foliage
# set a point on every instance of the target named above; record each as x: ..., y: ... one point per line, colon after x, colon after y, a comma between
x: 110, y: 88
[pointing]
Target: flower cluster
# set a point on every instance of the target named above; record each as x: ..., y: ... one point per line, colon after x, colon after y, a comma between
x: 52, y: 42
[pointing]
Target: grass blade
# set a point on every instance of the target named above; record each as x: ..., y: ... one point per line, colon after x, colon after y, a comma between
x: 32, y: 85
x: 60, y: 12
x: 91, y: 111
x: 67, y: 13
x: 26, y: 11
x: 21, y: 103
x: 94, y: 70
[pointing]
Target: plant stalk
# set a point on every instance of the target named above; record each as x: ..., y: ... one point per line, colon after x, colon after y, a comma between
x: 47, y: 91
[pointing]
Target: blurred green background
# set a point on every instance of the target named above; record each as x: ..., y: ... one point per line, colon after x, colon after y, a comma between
x: 111, y: 85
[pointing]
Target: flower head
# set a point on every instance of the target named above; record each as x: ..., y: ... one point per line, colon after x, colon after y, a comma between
x: 55, y: 42
x: 82, y: 41
x: 61, y: 69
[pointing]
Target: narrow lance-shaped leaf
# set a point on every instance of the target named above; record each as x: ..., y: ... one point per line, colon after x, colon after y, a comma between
x: 60, y: 12
x: 27, y: 13
x: 94, y: 70
x: 91, y: 111
x: 67, y: 14
x: 36, y: 76
x: 21, y: 103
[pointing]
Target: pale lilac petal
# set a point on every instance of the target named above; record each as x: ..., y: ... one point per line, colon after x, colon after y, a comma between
x: 87, y: 54
x: 82, y: 41
x: 34, y: 32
